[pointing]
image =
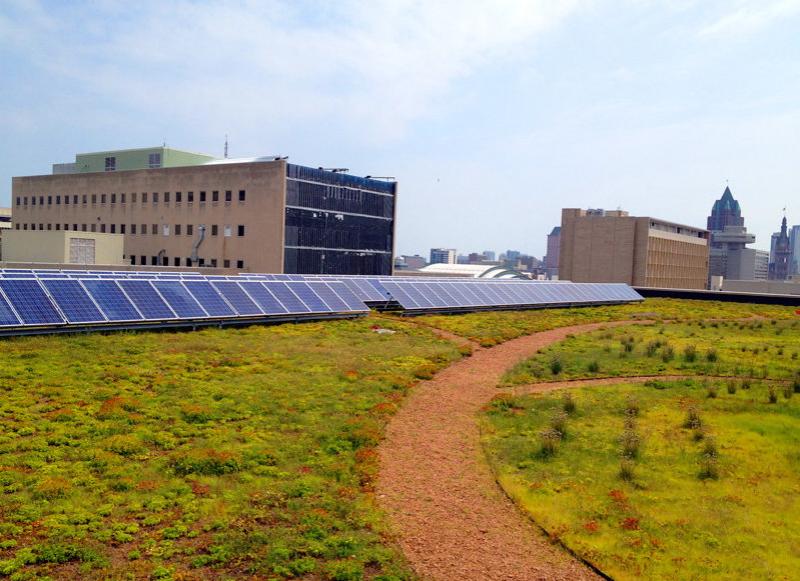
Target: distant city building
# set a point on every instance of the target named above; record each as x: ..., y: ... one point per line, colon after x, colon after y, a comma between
x: 5, y: 218
x: 725, y: 212
x: 490, y: 255
x: 781, y: 255
x: 728, y: 256
x: 551, y: 258
x: 612, y: 246
x: 407, y: 262
x: 443, y: 256
x: 178, y: 208
x: 794, y: 242
x: 513, y: 255
x: 470, y: 270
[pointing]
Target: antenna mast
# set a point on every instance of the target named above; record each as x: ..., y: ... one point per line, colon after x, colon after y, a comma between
x: 226, y: 146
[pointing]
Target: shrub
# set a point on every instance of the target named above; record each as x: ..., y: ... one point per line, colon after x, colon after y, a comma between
x: 629, y: 423
x: 558, y: 422
x: 796, y: 385
x: 731, y: 386
x: 630, y: 443
x: 569, y: 403
x: 549, y: 440
x: 690, y: 353
x: 205, y: 461
x: 708, y: 468
x: 698, y: 434
x: 631, y: 406
x: 593, y: 367
x: 772, y: 395
x: 711, y: 355
x: 711, y: 391
x: 651, y: 348
x: 788, y: 392
x: 745, y: 384
x: 556, y: 366
x: 710, y: 447
x: 667, y: 353
x: 627, y: 469
x: 692, y: 420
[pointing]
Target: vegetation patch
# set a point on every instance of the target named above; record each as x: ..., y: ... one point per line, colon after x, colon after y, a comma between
x: 212, y: 454
x: 659, y: 481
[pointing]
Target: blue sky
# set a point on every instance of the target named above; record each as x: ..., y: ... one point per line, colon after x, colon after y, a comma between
x: 492, y: 115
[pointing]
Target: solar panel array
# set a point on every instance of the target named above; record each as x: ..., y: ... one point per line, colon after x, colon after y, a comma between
x: 55, y: 300
x: 51, y: 301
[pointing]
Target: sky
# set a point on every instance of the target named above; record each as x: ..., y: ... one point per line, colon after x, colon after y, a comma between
x: 491, y: 115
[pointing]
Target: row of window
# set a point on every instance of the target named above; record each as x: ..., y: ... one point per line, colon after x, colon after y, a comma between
x: 123, y: 198
x: 178, y: 261
x: 227, y: 229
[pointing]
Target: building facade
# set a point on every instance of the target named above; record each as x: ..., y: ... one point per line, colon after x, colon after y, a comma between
x: 62, y: 247
x: 725, y: 212
x: 729, y: 256
x: 258, y: 215
x: 781, y: 256
x: 443, y: 256
x: 612, y: 246
x: 551, y: 258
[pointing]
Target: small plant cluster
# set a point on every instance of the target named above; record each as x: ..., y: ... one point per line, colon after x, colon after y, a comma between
x: 709, y: 455
x: 550, y: 438
x: 630, y: 441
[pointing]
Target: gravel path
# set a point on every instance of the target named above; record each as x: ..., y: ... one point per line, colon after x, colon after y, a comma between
x: 452, y: 520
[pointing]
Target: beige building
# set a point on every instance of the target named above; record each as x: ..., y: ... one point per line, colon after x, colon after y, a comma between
x: 62, y: 247
x: 612, y: 246
x: 258, y: 215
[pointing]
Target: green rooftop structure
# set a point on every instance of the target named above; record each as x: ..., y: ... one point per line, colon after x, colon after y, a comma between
x: 131, y: 159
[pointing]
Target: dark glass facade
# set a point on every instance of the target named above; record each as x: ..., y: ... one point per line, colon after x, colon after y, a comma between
x: 338, y: 223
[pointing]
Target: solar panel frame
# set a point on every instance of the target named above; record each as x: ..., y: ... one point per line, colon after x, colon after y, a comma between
x: 212, y: 301
x: 74, y: 301
x: 239, y: 300
x: 31, y: 303
x: 147, y: 299
x: 179, y: 299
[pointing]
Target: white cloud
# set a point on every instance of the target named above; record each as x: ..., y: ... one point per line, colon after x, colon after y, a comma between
x: 750, y: 17
x: 380, y: 64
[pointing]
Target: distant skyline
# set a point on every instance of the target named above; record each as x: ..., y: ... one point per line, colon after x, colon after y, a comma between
x: 493, y: 116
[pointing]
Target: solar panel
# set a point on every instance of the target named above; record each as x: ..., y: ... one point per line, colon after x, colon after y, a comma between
x: 7, y: 316
x: 73, y: 300
x: 111, y: 300
x: 179, y: 299
x: 327, y: 294
x: 30, y: 302
x: 237, y: 298
x: 288, y: 299
x: 146, y: 298
x: 260, y: 293
x: 309, y: 297
x: 205, y: 294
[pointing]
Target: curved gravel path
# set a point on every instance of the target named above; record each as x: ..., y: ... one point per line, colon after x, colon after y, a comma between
x: 452, y: 520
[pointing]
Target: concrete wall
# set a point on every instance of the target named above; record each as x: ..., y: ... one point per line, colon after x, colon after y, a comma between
x: 53, y: 247
x: 261, y: 214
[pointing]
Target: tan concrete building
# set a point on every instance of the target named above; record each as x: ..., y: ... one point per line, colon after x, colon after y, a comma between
x: 257, y: 215
x: 62, y: 247
x: 612, y: 246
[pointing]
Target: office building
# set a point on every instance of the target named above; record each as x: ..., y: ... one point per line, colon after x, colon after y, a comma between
x: 178, y: 208
x: 443, y: 256
x: 551, y: 258
x: 612, y: 246
x: 729, y: 256
x: 725, y: 212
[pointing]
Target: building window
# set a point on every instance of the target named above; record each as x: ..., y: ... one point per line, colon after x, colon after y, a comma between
x: 154, y: 160
x: 226, y: 264
x: 133, y: 197
x: 154, y: 229
x: 213, y: 263
x: 190, y: 197
x: 143, y: 260
x: 122, y: 198
x: 111, y: 164
x: 41, y: 226
x: 133, y: 229
x: 49, y: 200
x: 242, y: 195
x: 144, y: 197
x: 83, y: 227
x: 201, y: 262
x: 41, y: 200
x: 58, y: 227
x: 228, y: 195
x: 24, y: 226
x: 25, y: 201
x: 177, y: 197
x: 84, y: 198
x: 94, y: 227
x: 165, y: 229
x: 154, y: 260
x: 144, y: 230
x: 49, y: 226
x: 215, y: 196
x: 75, y: 199
x: 240, y: 230
x: 18, y: 201
x: 240, y: 264
x: 102, y: 198
x: 133, y: 260
x: 66, y: 200
x: 177, y: 229
x: 75, y: 227
x: 94, y: 198
x: 202, y: 197
x: 17, y: 226
x: 176, y: 261
x: 166, y: 197
x: 227, y: 231
x: 188, y: 262
x: 113, y: 228
x: 214, y: 229
x: 155, y: 198
x: 66, y: 226
x: 103, y: 228
x: 113, y: 198
x: 58, y: 200
x: 122, y: 228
